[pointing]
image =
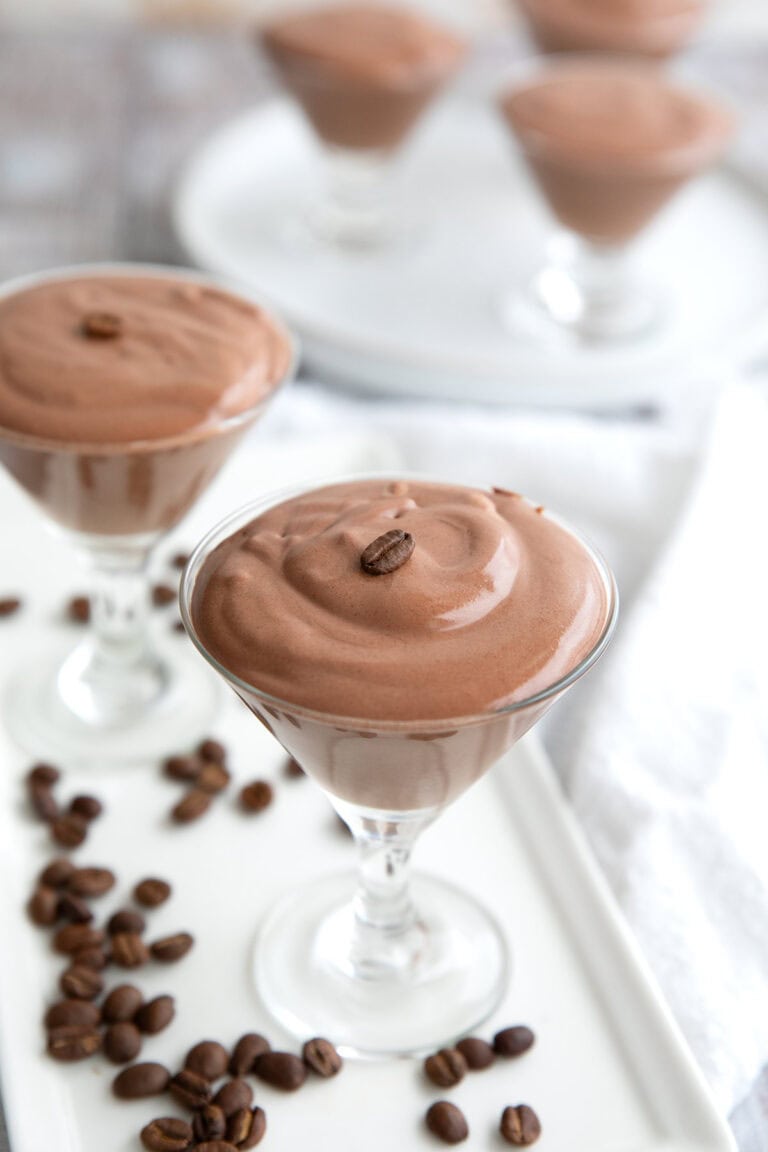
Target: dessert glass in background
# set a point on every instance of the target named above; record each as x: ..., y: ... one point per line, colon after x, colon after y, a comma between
x: 363, y: 75
x: 123, y: 390
x: 609, y: 142
x: 654, y: 28
x: 396, y: 691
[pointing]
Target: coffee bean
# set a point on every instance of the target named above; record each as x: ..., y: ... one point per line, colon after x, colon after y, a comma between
x: 246, y: 1128
x: 446, y: 1067
x: 141, y: 1080
x: 155, y: 1015
x: 387, y: 552
x: 513, y: 1041
x: 182, y: 767
x: 256, y: 796
x: 76, y: 937
x: 213, y: 778
x: 69, y: 830
x: 477, y: 1053
x: 86, y: 806
x: 57, y: 873
x: 208, y: 1059
x: 79, y: 983
x: 122, y: 1042
x: 172, y: 948
x: 192, y: 806
x: 122, y: 1003
x: 152, y: 892
x: 212, y: 750
x: 128, y: 950
x: 167, y: 1134
x: 233, y: 1096
x: 447, y: 1122
x: 190, y: 1089
x: 43, y: 801
x: 74, y: 908
x: 321, y: 1056
x: 81, y: 1013
x: 520, y: 1125
x: 163, y: 595
x: 209, y: 1123
x: 90, y: 958
x: 126, y: 920
x: 91, y: 882
x: 216, y: 1146
x: 178, y: 626
x: 45, y: 774
x: 79, y: 609
x: 43, y: 906
x: 293, y: 770
x: 282, y: 1070
x: 73, y: 1042
x: 9, y: 605
x: 102, y: 326
x: 246, y: 1052
x: 179, y: 560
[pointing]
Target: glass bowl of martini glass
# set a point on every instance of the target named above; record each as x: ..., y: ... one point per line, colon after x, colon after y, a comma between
x: 396, y: 636
x: 123, y: 390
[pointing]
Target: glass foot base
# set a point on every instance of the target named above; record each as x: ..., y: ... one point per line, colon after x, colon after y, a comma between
x: 43, y: 724
x: 453, y: 980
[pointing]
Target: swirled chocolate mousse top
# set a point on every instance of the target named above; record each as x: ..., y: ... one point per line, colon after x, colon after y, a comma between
x: 400, y: 601
x: 114, y: 358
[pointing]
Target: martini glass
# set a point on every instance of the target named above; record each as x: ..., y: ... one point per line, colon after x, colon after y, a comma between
x: 384, y: 963
x: 119, y: 695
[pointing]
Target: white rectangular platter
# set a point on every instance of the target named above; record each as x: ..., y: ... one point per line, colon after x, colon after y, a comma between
x: 609, y: 1072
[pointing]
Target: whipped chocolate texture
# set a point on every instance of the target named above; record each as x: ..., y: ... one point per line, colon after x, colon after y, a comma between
x: 653, y: 28
x: 491, y: 602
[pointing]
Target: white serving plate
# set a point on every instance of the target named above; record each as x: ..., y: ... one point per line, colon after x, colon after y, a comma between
x: 609, y: 1072
x: 423, y: 318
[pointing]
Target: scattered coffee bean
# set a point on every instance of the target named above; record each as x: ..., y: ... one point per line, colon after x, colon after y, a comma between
x: 163, y: 595
x: 282, y: 1070
x: 446, y: 1067
x: 74, y: 908
x: 152, y: 892
x: 91, y: 882
x: 246, y: 1128
x: 293, y: 770
x: 57, y: 873
x: 79, y: 609
x: 513, y: 1041
x: 182, y: 767
x: 192, y: 806
x: 126, y: 920
x: 73, y: 1042
x: 447, y: 1122
x: 86, y: 806
x: 90, y: 958
x: 213, y: 777
x: 477, y: 1053
x: 172, y: 948
x: 155, y: 1015
x: 102, y: 326
x: 190, y: 1089
x: 179, y: 560
x: 178, y: 626
x: 79, y: 983
x: 122, y: 1003
x: 208, y: 1059
x: 209, y: 1123
x: 246, y: 1052
x: 43, y: 802
x: 69, y: 830
x: 387, y: 552
x: 122, y: 1042
x: 167, y: 1134
x: 128, y: 950
x: 43, y: 906
x: 233, y: 1096
x: 45, y: 774
x: 520, y: 1125
x: 81, y: 1013
x: 75, y: 937
x: 212, y: 750
x: 256, y: 796
x: 140, y: 1080
x: 9, y: 605
x: 321, y: 1056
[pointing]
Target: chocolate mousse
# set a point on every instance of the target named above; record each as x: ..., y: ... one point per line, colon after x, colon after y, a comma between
x: 645, y: 27
x: 122, y: 394
x: 362, y: 73
x: 406, y: 605
x: 609, y: 143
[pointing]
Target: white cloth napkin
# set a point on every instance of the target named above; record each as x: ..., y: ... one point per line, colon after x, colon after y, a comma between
x: 663, y: 749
